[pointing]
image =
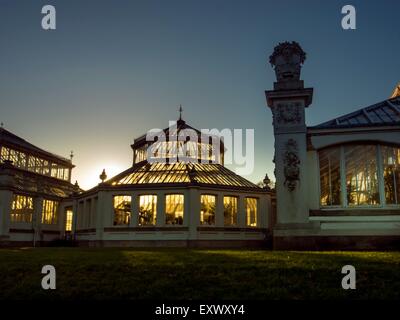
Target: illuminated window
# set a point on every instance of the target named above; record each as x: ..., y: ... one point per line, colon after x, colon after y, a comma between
x: 34, y: 164
x: 66, y: 174
x: 147, y: 210
x: 13, y: 156
x: 355, y: 173
x: 54, y: 170
x: 18, y: 158
x: 141, y: 154
x: 361, y: 175
x: 21, y: 209
x: 38, y: 165
x: 122, y: 210
x: 391, y: 174
x: 4, y: 153
x: 251, y: 212
x: 68, y: 219
x: 230, y: 211
x: 174, y: 209
x: 207, y: 211
x: 50, y: 212
x: 329, y: 166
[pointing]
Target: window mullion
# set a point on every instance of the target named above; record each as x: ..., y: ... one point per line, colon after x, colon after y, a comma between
x: 343, y: 177
x: 380, y: 177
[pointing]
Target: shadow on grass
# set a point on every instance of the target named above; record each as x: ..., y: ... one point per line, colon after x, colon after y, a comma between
x: 193, y: 274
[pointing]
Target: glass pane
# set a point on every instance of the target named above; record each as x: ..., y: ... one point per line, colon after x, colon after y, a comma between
x: 4, y: 154
x: 50, y: 212
x: 230, y: 211
x: 251, y: 212
x: 21, y: 209
x: 391, y: 174
x: 174, y: 209
x: 329, y: 173
x: 68, y: 220
x: 122, y: 210
x: 207, y: 211
x: 147, y: 210
x: 361, y: 175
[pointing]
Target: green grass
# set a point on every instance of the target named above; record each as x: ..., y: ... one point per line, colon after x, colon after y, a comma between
x: 196, y: 274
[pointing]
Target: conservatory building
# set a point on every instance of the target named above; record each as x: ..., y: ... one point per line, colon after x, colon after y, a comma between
x: 34, y: 191
x: 337, y: 183
x: 180, y: 194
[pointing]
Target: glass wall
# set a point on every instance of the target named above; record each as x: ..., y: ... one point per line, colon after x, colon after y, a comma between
x: 35, y: 164
x: 50, y: 212
x: 329, y: 165
x: 391, y: 174
x: 122, y: 210
x: 207, y: 209
x: 251, y: 212
x: 230, y: 211
x: 21, y: 208
x: 147, y: 210
x: 174, y: 209
x: 359, y: 175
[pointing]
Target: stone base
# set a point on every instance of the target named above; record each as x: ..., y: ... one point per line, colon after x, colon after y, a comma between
x: 266, y: 244
x: 308, y: 243
x: 321, y: 243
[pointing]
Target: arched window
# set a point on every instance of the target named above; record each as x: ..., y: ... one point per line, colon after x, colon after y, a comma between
x: 359, y: 175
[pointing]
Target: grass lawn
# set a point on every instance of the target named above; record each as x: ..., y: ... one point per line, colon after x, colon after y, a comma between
x: 196, y: 274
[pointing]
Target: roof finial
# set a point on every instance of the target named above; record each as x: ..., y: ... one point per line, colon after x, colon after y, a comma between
x: 180, y: 112
x: 71, y: 155
x: 396, y: 91
x: 103, y: 176
x: 2, y: 124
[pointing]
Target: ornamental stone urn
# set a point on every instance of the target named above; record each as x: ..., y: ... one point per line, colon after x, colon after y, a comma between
x: 287, y: 60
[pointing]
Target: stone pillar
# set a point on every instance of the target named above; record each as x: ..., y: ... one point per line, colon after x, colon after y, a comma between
x: 264, y: 212
x: 241, y: 218
x: 37, y: 220
x: 219, y: 217
x: 134, y: 210
x: 193, y: 212
x: 6, y: 196
x: 288, y: 101
x: 5, y: 211
x: 160, y: 218
x: 75, y: 216
x: 105, y: 213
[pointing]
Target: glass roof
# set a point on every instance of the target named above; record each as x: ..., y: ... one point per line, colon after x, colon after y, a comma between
x: 185, y: 173
x: 383, y: 113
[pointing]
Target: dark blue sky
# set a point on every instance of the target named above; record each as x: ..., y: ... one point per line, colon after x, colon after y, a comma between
x: 114, y: 69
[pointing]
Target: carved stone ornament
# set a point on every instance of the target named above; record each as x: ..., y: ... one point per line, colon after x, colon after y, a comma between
x: 287, y: 114
x: 287, y: 59
x: 291, y: 165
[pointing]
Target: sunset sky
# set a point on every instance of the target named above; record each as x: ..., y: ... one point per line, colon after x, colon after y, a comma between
x: 114, y: 69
